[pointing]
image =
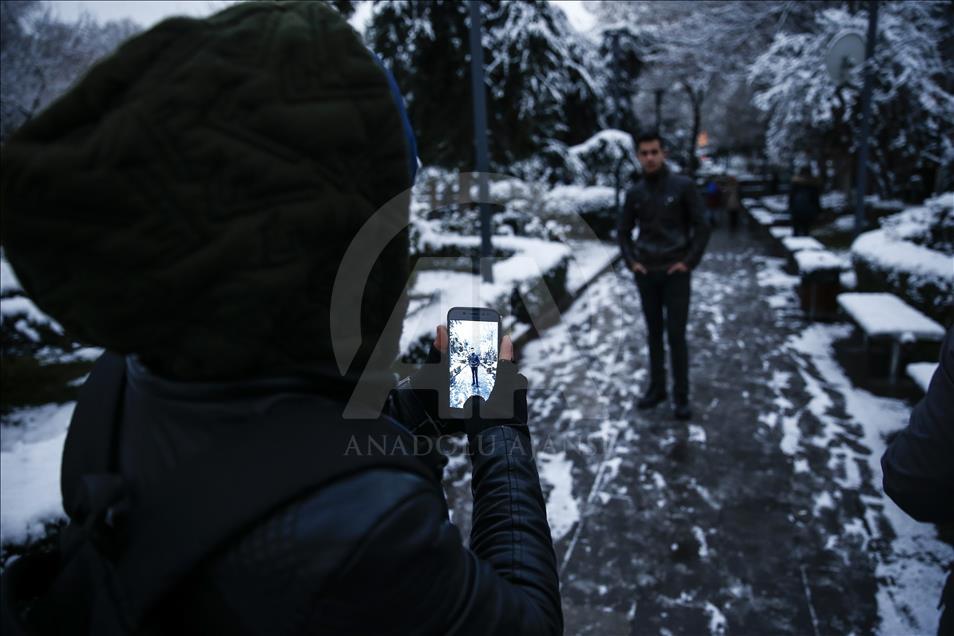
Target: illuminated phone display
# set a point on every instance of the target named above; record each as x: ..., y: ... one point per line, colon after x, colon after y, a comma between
x: 472, y: 356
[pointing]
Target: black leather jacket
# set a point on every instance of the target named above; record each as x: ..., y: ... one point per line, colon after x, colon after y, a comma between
x: 672, y: 227
x: 373, y: 553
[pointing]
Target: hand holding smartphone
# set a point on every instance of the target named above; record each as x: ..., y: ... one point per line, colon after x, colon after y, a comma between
x: 433, y: 401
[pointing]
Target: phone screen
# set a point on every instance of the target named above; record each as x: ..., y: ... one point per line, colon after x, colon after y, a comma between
x: 472, y: 353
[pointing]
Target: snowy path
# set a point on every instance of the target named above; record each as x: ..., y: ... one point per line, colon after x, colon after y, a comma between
x: 462, y: 384
x: 764, y: 514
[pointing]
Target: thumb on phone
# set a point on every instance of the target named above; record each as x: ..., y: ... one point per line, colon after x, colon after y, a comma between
x: 506, y: 349
x: 441, y: 340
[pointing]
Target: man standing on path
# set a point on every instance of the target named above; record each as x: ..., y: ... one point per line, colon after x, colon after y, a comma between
x: 474, y: 360
x: 672, y: 237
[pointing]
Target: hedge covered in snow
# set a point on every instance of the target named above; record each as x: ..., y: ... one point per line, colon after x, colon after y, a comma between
x: 912, y: 256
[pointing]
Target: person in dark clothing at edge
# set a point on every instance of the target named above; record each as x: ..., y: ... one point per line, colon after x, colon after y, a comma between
x: 474, y: 360
x: 187, y: 204
x: 804, y: 202
x: 673, y: 233
x: 918, y: 465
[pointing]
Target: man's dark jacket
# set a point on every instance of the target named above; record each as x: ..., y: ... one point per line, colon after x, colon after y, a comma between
x: 672, y: 227
x: 474, y: 360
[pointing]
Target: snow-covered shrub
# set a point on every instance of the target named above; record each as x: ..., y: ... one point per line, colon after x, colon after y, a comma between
x: 595, y: 205
x: 40, y: 361
x: 912, y: 255
x: 606, y: 159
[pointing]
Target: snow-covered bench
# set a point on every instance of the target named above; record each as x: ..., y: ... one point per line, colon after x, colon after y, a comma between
x: 801, y: 243
x: 762, y: 216
x: 921, y: 373
x: 820, y: 272
x: 885, y: 316
x: 776, y: 203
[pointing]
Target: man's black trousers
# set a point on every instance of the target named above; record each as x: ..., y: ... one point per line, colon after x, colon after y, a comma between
x: 473, y: 370
x: 665, y: 300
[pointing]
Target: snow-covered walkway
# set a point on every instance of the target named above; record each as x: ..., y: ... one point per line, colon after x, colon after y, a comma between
x: 764, y: 514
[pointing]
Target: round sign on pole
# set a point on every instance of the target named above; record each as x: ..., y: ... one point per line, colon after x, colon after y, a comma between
x: 847, y: 51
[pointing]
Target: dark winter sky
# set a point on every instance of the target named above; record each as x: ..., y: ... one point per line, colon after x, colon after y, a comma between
x: 148, y: 12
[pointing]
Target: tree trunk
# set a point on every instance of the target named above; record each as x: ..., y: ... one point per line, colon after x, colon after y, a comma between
x: 696, y: 101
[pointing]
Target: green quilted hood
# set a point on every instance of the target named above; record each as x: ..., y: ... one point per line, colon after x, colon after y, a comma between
x: 190, y: 199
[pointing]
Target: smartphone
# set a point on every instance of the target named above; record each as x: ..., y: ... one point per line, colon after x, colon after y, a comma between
x: 473, y: 335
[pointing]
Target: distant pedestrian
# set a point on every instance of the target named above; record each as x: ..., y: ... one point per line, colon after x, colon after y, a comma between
x: 804, y: 202
x: 713, y: 201
x: 474, y: 360
x: 673, y: 233
x: 733, y: 203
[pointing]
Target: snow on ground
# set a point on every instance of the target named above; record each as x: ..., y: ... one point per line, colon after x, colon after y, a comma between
x: 563, y: 510
x: 31, y: 447
x: 588, y: 258
x: 909, y: 578
x: 8, y: 280
x: 921, y: 373
x: 910, y: 562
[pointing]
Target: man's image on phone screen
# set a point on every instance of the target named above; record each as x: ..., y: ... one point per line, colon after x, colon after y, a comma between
x: 472, y: 348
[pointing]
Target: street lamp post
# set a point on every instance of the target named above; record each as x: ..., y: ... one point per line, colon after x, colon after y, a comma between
x: 480, y: 138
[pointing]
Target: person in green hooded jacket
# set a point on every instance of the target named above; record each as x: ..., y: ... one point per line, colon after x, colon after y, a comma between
x: 186, y: 206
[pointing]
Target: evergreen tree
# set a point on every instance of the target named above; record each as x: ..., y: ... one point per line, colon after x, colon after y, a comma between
x: 538, y: 74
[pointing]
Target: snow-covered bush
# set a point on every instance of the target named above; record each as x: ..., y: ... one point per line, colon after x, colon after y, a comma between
x: 605, y: 159
x: 912, y: 255
x: 595, y: 205
x: 40, y: 361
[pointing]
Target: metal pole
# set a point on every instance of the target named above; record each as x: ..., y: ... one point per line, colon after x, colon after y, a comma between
x: 659, y: 97
x: 480, y: 137
x: 616, y: 97
x: 865, y: 117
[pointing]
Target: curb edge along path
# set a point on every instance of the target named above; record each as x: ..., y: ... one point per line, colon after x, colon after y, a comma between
x: 761, y: 515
